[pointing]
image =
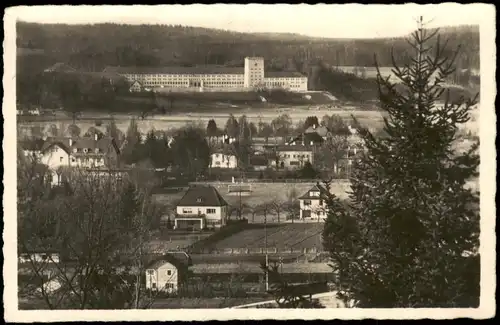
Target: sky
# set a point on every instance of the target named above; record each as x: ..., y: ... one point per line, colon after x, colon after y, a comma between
x: 330, y: 21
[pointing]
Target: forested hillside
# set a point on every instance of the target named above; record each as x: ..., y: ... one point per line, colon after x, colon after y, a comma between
x: 92, y: 47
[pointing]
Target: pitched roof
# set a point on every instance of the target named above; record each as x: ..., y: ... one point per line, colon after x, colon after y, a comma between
x: 308, y: 138
x: 315, y: 188
x: 136, y: 83
x: 283, y: 74
x: 201, y: 69
x: 177, y: 260
x: 321, y: 130
x: 227, y: 149
x: 60, y: 67
x: 200, y: 196
x: 80, y: 143
x: 294, y: 147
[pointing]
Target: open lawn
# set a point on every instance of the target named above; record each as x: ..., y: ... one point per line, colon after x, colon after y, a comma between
x: 369, y: 118
x: 283, y: 237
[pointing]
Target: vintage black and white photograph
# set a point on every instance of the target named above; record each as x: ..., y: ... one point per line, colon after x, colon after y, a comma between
x: 224, y: 157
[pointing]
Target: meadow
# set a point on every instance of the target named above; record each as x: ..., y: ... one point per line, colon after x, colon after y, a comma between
x: 371, y: 119
x: 296, y: 237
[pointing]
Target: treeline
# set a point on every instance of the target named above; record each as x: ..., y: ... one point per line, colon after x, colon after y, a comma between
x: 92, y: 47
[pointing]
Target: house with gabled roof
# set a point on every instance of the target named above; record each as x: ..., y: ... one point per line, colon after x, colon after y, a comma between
x: 136, y: 87
x: 59, y: 153
x: 201, y: 207
x: 223, y: 157
x: 291, y: 156
x: 312, y: 203
x: 167, y: 272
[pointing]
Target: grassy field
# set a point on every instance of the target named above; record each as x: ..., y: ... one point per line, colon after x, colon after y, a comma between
x: 290, y: 236
x: 371, y: 119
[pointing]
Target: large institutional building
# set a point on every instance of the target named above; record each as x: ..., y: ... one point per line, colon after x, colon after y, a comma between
x: 213, y: 78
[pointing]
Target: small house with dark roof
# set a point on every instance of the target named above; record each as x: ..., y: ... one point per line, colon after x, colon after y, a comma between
x: 166, y: 273
x: 312, y: 203
x: 312, y: 139
x: 201, y: 207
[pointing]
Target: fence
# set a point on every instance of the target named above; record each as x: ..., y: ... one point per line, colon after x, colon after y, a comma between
x: 257, y: 181
x: 260, y: 251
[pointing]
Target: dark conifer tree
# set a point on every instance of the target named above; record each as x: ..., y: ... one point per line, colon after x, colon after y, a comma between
x: 410, y: 235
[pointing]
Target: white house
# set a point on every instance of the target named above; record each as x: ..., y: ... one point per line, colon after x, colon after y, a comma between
x: 200, y: 207
x: 222, y: 159
x: 135, y: 87
x: 312, y: 204
x: 166, y: 274
x: 293, y: 156
x: 86, y: 152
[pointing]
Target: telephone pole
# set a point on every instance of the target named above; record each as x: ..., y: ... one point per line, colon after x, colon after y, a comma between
x: 267, y: 259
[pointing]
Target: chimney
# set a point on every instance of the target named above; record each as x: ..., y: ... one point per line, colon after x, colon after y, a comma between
x: 95, y: 136
x: 70, y: 142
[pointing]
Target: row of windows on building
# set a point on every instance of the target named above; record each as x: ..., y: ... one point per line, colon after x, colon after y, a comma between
x: 77, y: 150
x: 212, y: 77
x: 152, y: 272
x: 305, y: 156
x: 184, y: 76
x: 190, y: 211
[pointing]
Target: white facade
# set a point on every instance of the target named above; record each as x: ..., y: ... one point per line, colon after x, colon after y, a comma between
x: 254, y: 72
x: 222, y: 160
x: 297, y: 84
x: 207, y: 78
x: 135, y: 87
x: 185, y: 81
x: 213, y: 216
x: 55, y: 157
x: 164, y: 277
x: 293, y: 157
x: 313, y: 207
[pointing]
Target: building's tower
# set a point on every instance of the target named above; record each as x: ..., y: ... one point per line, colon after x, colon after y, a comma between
x: 254, y: 72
